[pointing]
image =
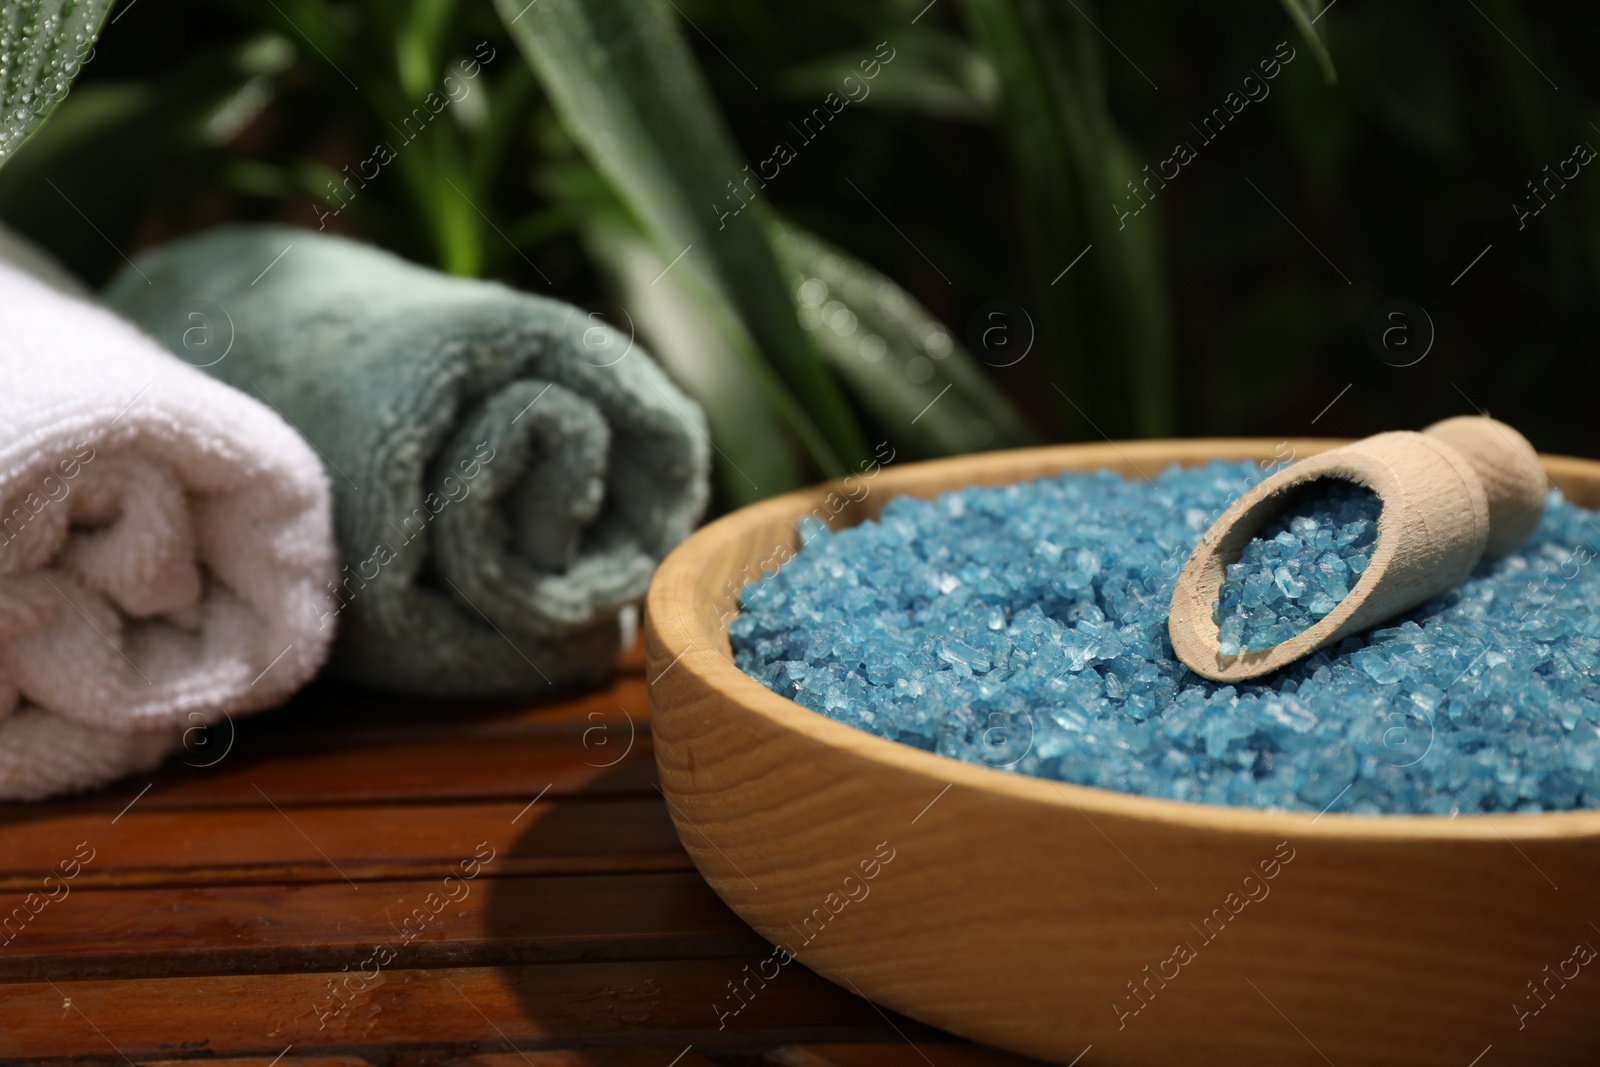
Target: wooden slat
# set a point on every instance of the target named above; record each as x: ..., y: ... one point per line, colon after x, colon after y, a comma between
x: 613, y: 1057
x: 327, y: 711
x: 217, y: 910
x: 441, y: 769
x: 319, y: 748
x: 267, y: 1061
x: 447, y: 1013
x: 169, y: 932
x: 946, y: 1053
x: 600, y: 1057
x: 322, y: 843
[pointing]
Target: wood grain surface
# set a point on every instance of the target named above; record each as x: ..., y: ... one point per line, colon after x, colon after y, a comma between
x: 223, y: 907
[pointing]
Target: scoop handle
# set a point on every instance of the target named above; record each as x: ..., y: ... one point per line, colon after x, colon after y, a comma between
x: 1464, y: 490
x: 1513, y: 479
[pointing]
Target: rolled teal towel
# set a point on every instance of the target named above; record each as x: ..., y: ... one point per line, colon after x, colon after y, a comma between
x: 506, y: 470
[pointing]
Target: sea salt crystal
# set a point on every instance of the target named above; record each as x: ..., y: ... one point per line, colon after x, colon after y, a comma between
x: 1487, y: 698
x: 1323, y: 535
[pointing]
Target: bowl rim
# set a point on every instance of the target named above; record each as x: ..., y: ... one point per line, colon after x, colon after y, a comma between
x: 685, y: 644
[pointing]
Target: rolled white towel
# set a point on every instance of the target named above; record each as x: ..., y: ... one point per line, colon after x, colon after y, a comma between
x: 166, y: 544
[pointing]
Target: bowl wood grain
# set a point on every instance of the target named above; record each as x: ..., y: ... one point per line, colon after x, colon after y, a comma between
x: 1064, y: 921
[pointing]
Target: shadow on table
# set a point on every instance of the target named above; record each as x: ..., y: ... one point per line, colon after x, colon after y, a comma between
x: 624, y: 944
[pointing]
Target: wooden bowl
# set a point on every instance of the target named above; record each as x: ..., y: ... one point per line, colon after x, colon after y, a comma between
x: 1065, y: 921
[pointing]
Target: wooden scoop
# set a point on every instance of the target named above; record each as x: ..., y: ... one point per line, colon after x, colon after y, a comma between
x: 1462, y: 490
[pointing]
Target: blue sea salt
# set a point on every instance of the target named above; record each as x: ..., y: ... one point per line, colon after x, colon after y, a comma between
x: 1048, y: 655
x: 1297, y: 568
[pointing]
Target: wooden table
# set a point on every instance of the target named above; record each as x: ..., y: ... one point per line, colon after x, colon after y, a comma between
x: 357, y: 879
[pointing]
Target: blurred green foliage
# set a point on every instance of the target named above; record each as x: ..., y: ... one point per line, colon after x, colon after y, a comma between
x: 828, y: 258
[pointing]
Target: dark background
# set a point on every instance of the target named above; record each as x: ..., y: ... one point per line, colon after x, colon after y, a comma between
x: 1383, y: 186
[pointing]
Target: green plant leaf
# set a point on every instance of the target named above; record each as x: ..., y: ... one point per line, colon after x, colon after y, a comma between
x: 507, y: 107
x: 934, y: 73
x: 417, y: 44
x: 899, y: 362
x: 704, y: 361
x: 43, y: 45
x: 1297, y: 15
x: 625, y: 86
x: 705, y: 350
x: 1105, y: 323
x: 161, y: 136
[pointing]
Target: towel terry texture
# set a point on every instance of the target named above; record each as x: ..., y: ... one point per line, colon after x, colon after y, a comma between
x: 165, y: 543
x: 506, y: 470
